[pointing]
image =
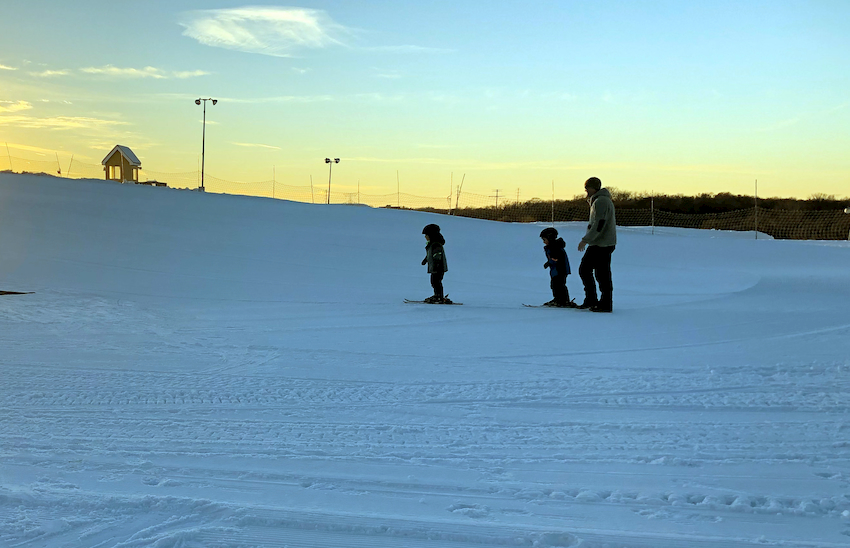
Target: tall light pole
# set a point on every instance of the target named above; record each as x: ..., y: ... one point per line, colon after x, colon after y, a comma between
x: 330, y: 171
x: 204, y: 135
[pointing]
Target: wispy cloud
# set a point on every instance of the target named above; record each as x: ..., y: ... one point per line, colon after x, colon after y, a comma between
x: 282, y: 99
x: 836, y: 108
x: 407, y: 49
x: 146, y: 72
x: 278, y: 31
x: 269, y: 30
x: 14, y: 106
x: 190, y: 74
x: 423, y: 145
x: 256, y: 145
x: 558, y: 96
x: 109, y: 70
x: 466, y: 163
x: 782, y: 124
x: 802, y: 118
x: 388, y: 74
x: 4, y: 67
x: 51, y: 73
x: 38, y: 150
x: 57, y: 122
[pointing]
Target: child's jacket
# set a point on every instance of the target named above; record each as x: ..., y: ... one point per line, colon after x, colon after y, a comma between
x: 556, y: 257
x: 435, y: 256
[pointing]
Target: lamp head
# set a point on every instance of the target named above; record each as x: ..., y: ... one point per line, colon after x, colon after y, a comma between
x: 215, y: 101
x: 197, y: 101
x: 336, y: 160
x: 327, y: 160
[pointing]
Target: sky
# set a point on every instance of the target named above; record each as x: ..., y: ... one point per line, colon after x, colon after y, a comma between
x: 672, y: 97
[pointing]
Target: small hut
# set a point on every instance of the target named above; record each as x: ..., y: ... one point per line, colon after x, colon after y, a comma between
x: 122, y: 165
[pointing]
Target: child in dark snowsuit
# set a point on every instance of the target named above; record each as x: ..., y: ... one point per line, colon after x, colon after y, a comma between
x: 435, y: 258
x: 559, y: 267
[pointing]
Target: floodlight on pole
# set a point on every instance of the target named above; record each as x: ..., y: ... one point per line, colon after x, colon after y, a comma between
x: 330, y: 171
x: 204, y: 135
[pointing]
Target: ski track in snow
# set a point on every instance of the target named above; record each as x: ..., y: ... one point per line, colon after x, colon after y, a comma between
x: 131, y: 417
x: 164, y: 432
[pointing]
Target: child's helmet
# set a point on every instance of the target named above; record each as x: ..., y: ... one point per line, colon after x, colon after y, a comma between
x: 431, y: 229
x: 549, y: 233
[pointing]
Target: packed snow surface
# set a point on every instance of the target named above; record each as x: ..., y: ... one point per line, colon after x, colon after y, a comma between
x: 209, y: 370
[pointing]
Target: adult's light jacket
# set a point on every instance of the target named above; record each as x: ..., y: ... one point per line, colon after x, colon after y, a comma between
x: 602, y: 226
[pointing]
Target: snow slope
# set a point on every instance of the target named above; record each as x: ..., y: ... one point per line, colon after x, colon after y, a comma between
x: 210, y: 370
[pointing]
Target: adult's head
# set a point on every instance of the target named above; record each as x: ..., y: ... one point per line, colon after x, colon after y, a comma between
x: 592, y: 185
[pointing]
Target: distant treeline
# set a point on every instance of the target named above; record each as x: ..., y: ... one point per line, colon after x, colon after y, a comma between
x: 720, y: 203
x: 819, y: 217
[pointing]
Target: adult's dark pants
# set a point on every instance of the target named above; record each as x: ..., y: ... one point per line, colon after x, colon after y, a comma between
x: 437, y: 283
x: 559, y: 289
x: 597, y: 263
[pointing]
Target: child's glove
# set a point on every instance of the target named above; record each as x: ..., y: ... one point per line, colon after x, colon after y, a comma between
x: 424, y: 261
x: 546, y: 264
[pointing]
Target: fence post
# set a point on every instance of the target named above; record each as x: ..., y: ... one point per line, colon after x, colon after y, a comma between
x: 451, y: 190
x: 652, y: 212
x: 847, y: 212
x: 459, y: 188
x: 756, y: 209
x: 553, y: 202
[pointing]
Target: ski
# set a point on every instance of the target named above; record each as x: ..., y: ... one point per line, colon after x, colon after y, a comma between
x: 573, y: 305
x: 16, y: 292
x: 410, y: 301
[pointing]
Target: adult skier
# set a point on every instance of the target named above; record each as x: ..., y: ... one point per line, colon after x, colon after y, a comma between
x: 600, y: 241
